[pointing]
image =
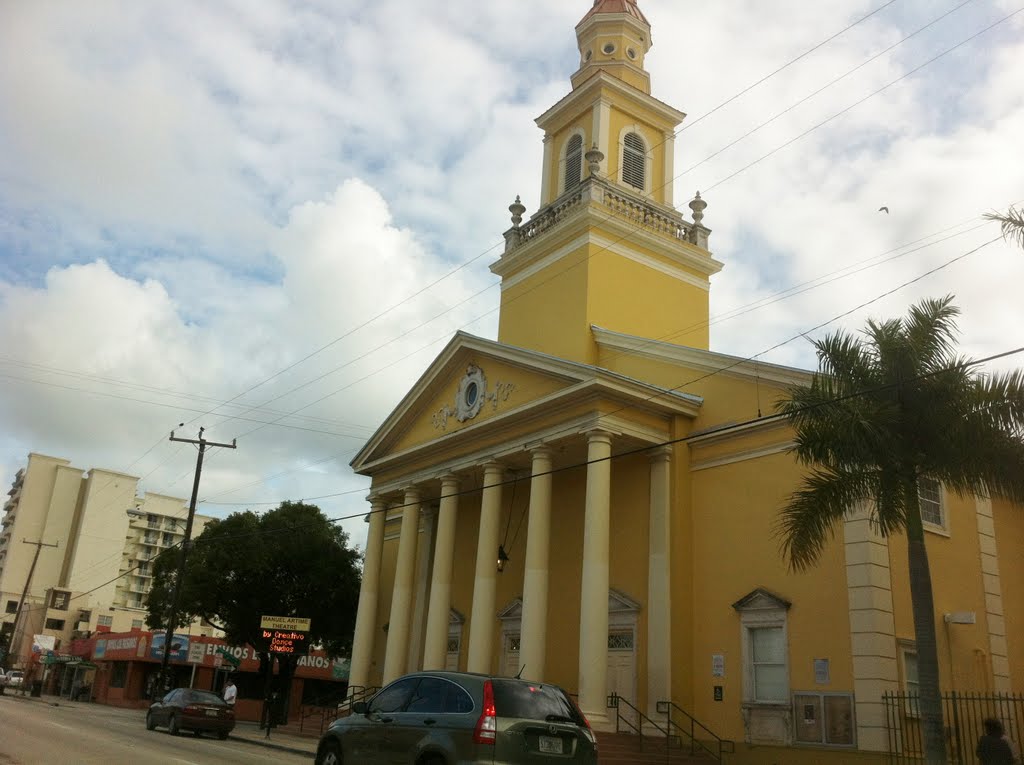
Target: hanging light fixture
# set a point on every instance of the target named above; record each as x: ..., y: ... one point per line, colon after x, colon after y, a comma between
x: 502, y: 558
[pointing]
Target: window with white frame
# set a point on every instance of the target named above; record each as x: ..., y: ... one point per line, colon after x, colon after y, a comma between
x: 911, y: 683
x: 105, y: 621
x: 763, y: 618
x: 573, y: 162
x: 634, y: 161
x: 768, y: 663
x: 929, y: 494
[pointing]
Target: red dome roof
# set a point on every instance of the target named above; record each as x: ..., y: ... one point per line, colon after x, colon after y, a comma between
x: 616, y: 6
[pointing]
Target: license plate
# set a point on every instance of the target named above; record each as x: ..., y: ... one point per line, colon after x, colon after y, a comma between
x: 211, y: 712
x: 551, y: 744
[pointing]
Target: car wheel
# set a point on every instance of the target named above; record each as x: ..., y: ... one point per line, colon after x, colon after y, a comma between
x: 330, y: 754
x: 223, y: 734
x: 150, y: 722
x: 432, y: 759
x: 172, y: 726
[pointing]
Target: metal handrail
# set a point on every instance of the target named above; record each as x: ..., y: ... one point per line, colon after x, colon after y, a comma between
x: 329, y: 714
x: 614, y: 702
x: 719, y: 744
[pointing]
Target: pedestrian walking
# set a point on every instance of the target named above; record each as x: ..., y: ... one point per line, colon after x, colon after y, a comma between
x: 994, y: 748
x: 230, y: 692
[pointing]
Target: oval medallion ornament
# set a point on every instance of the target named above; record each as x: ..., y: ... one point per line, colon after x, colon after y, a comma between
x: 470, y: 397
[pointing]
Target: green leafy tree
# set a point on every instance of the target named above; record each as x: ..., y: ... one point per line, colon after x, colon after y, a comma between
x: 884, y: 411
x: 290, y: 561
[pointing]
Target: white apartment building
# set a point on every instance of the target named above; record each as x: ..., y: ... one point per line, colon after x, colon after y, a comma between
x: 93, y: 530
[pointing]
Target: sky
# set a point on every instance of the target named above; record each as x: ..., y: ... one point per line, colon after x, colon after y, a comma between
x: 268, y: 218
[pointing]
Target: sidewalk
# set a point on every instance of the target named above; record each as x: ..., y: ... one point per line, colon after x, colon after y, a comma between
x: 250, y: 733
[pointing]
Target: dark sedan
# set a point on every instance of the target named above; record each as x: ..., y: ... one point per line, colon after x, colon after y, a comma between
x: 190, y: 709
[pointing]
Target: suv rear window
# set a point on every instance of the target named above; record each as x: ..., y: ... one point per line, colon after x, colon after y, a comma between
x: 529, y: 701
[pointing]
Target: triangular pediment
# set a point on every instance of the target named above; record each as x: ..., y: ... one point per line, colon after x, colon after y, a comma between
x: 512, y: 611
x: 475, y: 383
x: 620, y: 602
x: 761, y: 600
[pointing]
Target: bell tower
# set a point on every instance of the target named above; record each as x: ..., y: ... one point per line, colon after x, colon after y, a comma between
x: 607, y: 247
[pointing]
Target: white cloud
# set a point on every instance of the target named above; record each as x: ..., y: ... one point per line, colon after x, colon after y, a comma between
x: 197, y: 195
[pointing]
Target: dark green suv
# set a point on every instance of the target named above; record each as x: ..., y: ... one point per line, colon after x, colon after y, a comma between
x: 456, y: 718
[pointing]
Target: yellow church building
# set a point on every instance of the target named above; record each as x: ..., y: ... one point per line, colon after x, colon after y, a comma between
x: 590, y: 499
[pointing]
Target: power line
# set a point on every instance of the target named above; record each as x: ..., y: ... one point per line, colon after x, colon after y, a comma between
x: 497, y: 244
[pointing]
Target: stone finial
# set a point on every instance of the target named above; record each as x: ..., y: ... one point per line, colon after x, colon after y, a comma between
x: 594, y: 159
x: 698, y: 205
x: 517, y: 209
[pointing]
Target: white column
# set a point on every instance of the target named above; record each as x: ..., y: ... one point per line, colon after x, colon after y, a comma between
x: 659, y: 601
x: 594, y: 591
x: 401, y: 599
x: 481, y: 628
x: 436, y: 648
x: 421, y: 584
x: 366, y: 614
x: 545, y: 179
x: 535, y: 579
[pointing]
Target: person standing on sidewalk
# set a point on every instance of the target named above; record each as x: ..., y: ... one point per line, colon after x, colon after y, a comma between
x: 994, y: 747
x: 230, y: 692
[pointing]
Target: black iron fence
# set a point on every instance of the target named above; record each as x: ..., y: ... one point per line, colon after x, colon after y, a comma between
x: 963, y: 714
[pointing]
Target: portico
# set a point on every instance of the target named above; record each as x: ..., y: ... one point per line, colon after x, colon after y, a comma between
x: 549, y: 491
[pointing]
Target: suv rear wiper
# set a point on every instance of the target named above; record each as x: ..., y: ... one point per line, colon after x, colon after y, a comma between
x: 560, y: 718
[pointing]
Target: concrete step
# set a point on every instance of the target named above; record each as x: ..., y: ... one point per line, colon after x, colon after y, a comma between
x: 629, y: 749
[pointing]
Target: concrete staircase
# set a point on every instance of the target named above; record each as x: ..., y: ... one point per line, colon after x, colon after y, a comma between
x: 628, y: 749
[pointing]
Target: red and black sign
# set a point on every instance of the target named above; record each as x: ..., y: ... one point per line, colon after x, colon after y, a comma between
x: 286, y: 642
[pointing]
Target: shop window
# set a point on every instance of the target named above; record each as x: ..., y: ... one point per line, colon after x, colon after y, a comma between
x: 118, y: 674
x: 54, y: 624
x: 824, y: 718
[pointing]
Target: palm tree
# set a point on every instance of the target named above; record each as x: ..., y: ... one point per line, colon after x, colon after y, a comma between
x: 1012, y: 223
x: 884, y: 411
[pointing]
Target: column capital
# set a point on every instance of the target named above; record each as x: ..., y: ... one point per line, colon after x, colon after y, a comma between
x: 598, y: 436
x: 661, y: 453
x: 540, y: 450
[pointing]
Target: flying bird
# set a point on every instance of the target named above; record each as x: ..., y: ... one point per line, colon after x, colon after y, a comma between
x: 884, y: 209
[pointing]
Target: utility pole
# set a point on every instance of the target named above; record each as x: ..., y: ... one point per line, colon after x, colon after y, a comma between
x: 202, y: 443
x: 15, y: 636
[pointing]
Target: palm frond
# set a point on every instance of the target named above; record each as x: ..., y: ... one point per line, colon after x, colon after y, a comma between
x: 810, y: 518
x: 1012, y: 224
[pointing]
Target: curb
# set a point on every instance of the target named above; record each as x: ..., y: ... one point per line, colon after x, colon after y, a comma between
x: 268, y: 744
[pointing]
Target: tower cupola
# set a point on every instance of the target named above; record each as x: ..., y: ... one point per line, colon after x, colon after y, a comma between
x: 614, y: 37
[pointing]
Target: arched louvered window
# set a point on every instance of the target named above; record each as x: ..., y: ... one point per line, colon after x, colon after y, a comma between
x: 634, y: 161
x: 573, y: 162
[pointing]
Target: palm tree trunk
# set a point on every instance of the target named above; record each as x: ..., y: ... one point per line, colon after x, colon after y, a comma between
x: 923, y: 606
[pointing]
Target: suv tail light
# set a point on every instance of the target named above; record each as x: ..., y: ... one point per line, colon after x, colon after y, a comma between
x: 587, y: 731
x: 487, y: 726
x: 192, y: 708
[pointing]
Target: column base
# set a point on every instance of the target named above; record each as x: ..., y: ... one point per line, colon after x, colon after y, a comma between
x: 600, y: 721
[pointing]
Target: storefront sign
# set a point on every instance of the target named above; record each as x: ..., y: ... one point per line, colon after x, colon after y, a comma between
x: 285, y: 623
x: 179, y: 647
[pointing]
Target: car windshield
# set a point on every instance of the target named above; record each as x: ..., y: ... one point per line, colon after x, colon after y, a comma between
x: 15, y: 674
x: 530, y: 701
x: 203, y: 697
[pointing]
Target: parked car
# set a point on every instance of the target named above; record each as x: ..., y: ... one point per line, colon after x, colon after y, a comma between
x: 14, y: 678
x: 191, y: 709
x: 457, y: 718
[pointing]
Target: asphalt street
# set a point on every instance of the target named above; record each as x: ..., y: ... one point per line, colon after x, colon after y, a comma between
x: 33, y: 732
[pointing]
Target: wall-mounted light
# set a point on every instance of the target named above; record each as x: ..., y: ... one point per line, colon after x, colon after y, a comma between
x: 960, y: 617
x: 502, y: 558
